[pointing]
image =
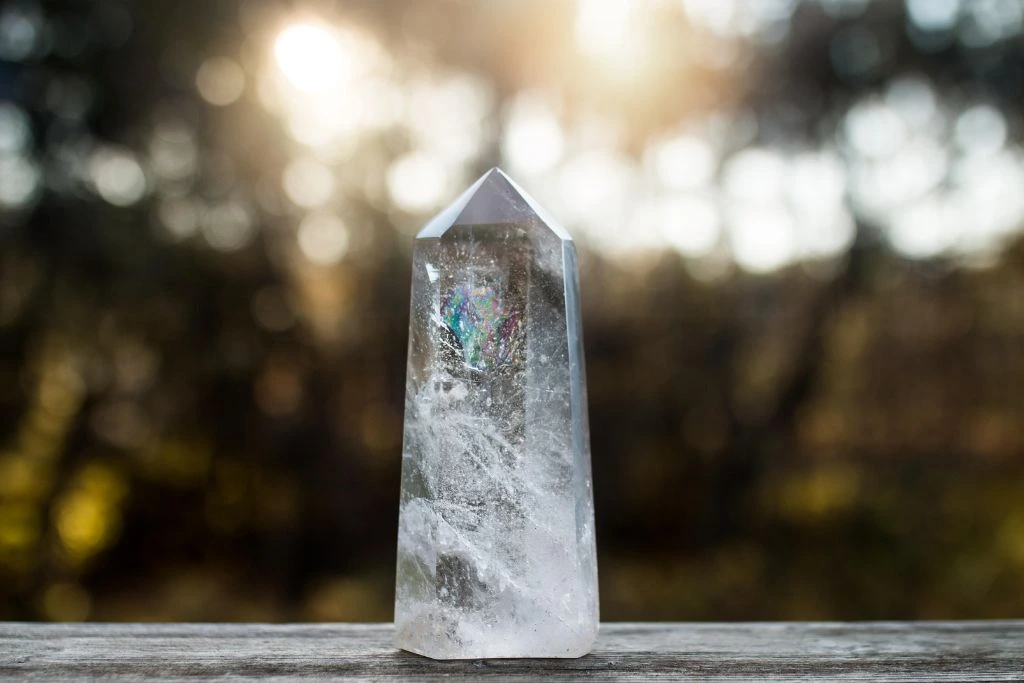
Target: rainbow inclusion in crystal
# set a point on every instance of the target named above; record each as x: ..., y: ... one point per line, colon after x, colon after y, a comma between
x: 488, y: 331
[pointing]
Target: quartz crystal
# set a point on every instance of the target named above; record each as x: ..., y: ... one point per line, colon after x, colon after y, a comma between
x: 496, y: 554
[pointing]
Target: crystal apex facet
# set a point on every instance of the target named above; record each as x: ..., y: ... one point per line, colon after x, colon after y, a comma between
x: 493, y: 199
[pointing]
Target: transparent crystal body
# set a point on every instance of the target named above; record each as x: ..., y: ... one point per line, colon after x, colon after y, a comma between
x: 496, y: 552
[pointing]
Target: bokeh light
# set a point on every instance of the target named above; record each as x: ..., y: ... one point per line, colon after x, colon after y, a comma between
x: 180, y: 216
x: 418, y: 182
x: 20, y: 184
x: 220, y: 80
x: 15, y: 134
x: 933, y: 15
x: 21, y: 29
x: 308, y: 182
x: 116, y: 175
x: 533, y: 141
x: 684, y: 162
x: 980, y: 129
x: 323, y: 238
x: 692, y: 224
x: 227, y: 226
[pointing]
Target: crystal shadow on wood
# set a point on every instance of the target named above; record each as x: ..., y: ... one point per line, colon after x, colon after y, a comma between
x: 496, y: 552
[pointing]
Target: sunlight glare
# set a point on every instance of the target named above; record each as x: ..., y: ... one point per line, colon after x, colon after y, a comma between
x: 311, y: 57
x: 601, y: 24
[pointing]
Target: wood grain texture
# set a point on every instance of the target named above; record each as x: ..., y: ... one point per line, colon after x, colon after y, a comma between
x: 882, y: 651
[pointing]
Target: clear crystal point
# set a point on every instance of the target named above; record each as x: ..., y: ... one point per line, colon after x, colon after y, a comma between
x: 496, y: 554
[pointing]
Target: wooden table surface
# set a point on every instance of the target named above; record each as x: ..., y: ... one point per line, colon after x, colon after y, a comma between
x: 877, y: 651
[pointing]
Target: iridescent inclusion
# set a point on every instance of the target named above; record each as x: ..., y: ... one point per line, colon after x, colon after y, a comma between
x: 487, y: 330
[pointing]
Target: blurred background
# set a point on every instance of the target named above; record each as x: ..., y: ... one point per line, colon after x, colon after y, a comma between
x: 803, y: 282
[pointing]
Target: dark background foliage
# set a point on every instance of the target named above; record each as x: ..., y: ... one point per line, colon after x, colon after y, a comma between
x: 802, y: 272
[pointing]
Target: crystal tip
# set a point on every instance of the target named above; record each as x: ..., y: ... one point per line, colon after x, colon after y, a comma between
x: 493, y: 198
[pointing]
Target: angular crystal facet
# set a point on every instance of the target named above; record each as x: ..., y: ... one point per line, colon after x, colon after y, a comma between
x: 496, y: 554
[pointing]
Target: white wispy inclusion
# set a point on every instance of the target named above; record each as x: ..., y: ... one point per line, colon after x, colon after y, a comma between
x: 496, y: 554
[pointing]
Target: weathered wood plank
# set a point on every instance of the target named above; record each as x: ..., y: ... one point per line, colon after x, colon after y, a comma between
x: 883, y: 651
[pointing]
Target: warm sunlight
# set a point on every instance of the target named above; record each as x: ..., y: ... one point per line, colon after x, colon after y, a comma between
x: 311, y: 57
